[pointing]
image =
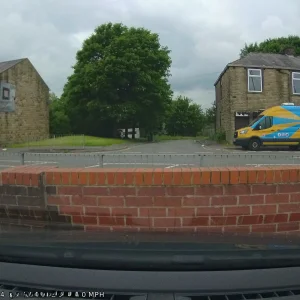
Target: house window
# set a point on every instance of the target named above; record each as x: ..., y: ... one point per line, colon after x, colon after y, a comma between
x: 254, y: 80
x: 296, y: 83
x: 5, y: 94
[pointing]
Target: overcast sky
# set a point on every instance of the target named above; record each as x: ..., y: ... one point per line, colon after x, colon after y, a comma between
x: 203, y: 35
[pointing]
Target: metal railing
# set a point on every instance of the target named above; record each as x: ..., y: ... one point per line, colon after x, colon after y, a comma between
x: 100, y: 160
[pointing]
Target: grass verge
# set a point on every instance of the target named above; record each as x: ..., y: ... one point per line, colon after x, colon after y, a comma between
x: 72, y: 141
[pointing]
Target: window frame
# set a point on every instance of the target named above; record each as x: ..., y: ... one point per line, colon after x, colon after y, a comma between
x: 298, y: 79
x: 5, y: 89
x: 259, y: 76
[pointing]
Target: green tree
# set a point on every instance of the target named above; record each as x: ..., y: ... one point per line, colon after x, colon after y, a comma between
x: 120, y: 80
x: 276, y: 45
x: 59, y: 121
x: 185, y: 118
x: 210, y: 114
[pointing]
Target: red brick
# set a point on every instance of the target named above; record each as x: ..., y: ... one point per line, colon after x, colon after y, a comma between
x: 270, y: 176
x: 95, y: 191
x: 167, y: 201
x: 177, y: 177
x: 181, y: 212
x: 71, y: 210
x: 96, y: 211
x: 220, y: 221
x: 237, y: 189
x: 292, y: 207
x: 295, y: 198
x: 294, y: 175
x: 83, y: 178
x: 243, y: 174
x: 187, y: 178
x: 49, y: 178
x: 289, y: 188
x: 224, y: 175
x: 295, y: 217
x: 278, y: 218
x: 151, y: 191
x: 234, y: 176
x: 209, y: 190
x: 111, y: 201
x: 168, y: 176
x: 180, y: 191
x: 110, y: 176
x: 19, y: 179
x: 139, y: 178
x: 261, y: 176
x: 215, y: 176
x: 288, y: 226
x: 223, y: 200
x: 251, y: 199
x: 277, y: 175
x: 264, y: 228
x: 59, y: 200
x: 249, y: 220
x: 196, y: 201
x: 195, y: 221
x: 84, y: 200
x: 56, y: 178
x: 205, y: 176
x: 166, y: 222
x: 140, y: 222
x: 277, y: 198
x: 264, y: 189
x: 26, y: 179
x: 84, y: 220
x: 110, y: 221
x: 122, y: 191
x: 285, y: 176
x: 120, y: 178
x: 74, y: 176
x: 196, y: 176
x: 209, y: 211
x: 101, y: 177
x: 152, y: 212
x: 125, y: 211
x: 264, y: 209
x: 138, y: 201
x: 129, y: 175
x: 69, y: 190
x: 65, y: 178
x: 147, y: 176
x: 252, y: 176
x: 35, y: 178
x: 237, y: 210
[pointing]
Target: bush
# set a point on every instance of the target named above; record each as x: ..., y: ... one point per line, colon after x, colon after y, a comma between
x: 219, y: 136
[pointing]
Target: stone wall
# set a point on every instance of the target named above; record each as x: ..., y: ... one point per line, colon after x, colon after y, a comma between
x: 277, y: 88
x: 249, y: 200
x: 30, y: 120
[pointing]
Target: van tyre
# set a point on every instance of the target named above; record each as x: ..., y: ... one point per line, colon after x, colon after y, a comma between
x: 254, y: 144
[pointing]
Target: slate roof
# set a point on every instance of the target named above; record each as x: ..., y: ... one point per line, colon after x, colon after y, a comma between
x: 5, y: 65
x: 265, y: 60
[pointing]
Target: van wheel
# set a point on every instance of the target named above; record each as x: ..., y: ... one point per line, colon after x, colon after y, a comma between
x: 294, y: 147
x: 254, y: 144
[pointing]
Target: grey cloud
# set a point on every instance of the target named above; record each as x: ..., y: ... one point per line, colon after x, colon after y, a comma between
x: 203, y: 35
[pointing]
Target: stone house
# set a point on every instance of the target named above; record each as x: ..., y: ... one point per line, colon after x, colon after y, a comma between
x: 24, y: 103
x: 251, y: 84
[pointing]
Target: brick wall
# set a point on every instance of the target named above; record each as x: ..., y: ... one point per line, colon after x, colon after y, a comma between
x: 206, y: 199
x: 30, y: 120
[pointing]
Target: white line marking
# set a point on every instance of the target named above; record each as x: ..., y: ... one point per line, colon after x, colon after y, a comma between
x: 173, y: 166
x: 6, y: 166
x: 204, y: 152
x: 92, y: 166
x: 258, y: 165
x: 166, y: 152
x: 133, y: 152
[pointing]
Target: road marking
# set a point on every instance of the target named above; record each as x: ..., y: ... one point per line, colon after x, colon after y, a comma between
x: 133, y: 152
x: 6, y: 166
x: 258, y: 165
x: 92, y: 166
x: 204, y: 152
x: 173, y: 166
x: 166, y: 152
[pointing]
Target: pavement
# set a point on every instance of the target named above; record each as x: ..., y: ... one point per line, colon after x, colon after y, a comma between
x: 168, y: 154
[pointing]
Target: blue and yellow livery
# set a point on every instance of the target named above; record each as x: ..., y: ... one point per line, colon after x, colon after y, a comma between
x: 276, y: 126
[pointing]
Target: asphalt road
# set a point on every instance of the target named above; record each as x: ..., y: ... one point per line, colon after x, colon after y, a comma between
x: 169, y: 154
